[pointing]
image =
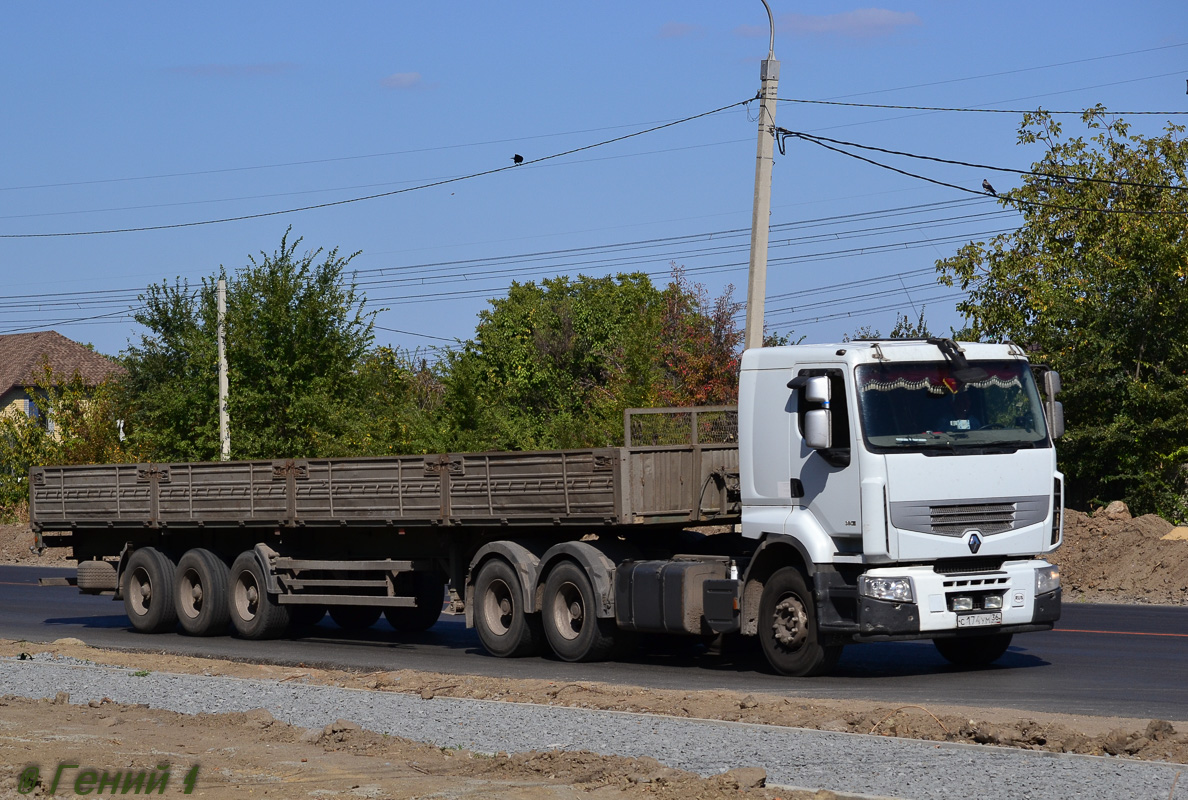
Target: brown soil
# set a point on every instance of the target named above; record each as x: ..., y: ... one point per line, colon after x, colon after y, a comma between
x: 1154, y: 740
x: 15, y: 544
x: 1122, y: 560
x: 251, y: 754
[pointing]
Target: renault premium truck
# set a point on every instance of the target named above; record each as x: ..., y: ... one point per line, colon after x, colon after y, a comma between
x: 866, y: 491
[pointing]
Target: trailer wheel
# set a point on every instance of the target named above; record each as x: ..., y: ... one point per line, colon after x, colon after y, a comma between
x: 428, y: 589
x: 574, y: 630
x: 254, y: 613
x: 302, y: 615
x: 148, y: 591
x: 354, y: 618
x: 503, y: 627
x: 973, y: 651
x: 788, y: 627
x: 200, y: 593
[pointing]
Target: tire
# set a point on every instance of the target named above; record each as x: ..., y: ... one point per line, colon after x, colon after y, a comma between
x: 96, y: 576
x: 973, y: 651
x: 148, y: 591
x: 305, y: 616
x: 355, y: 618
x: 788, y: 627
x: 568, y: 612
x: 254, y: 613
x: 503, y: 627
x: 428, y: 589
x: 200, y: 593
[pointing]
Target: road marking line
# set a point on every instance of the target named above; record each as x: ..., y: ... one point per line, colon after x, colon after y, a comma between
x: 1123, y: 633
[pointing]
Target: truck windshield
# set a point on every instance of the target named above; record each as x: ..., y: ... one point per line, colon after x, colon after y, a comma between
x: 922, y: 407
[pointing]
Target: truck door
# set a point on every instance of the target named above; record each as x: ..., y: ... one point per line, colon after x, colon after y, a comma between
x: 828, y: 479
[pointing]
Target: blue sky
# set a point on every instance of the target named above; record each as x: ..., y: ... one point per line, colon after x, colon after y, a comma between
x: 137, y: 115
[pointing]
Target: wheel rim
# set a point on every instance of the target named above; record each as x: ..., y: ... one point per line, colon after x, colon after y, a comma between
x: 569, y: 611
x: 140, y: 591
x: 190, y: 593
x: 498, y: 607
x: 789, y: 625
x: 247, y: 595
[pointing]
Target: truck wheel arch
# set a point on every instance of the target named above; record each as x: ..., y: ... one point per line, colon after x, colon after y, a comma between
x: 598, y: 559
x: 524, y: 559
x: 776, y: 552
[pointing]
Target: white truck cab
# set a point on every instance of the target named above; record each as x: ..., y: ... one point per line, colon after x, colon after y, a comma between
x: 916, y: 483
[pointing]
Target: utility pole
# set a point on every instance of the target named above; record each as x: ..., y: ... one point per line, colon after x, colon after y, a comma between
x: 769, y: 78
x: 224, y: 428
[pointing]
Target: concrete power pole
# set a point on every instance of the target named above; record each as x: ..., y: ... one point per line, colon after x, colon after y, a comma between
x: 769, y: 78
x: 224, y: 428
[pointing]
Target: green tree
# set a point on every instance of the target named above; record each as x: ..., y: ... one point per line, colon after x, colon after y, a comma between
x: 74, y: 424
x: 297, y: 333
x: 1095, y: 283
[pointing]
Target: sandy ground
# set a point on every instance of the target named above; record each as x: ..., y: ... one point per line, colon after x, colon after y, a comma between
x: 1105, y: 558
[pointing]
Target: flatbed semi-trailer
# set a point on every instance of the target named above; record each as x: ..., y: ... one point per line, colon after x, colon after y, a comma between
x: 866, y: 491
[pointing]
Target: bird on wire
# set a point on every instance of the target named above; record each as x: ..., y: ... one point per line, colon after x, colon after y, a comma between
x: 518, y: 159
x: 989, y: 189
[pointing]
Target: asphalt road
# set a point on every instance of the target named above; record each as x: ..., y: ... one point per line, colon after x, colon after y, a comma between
x: 1101, y: 659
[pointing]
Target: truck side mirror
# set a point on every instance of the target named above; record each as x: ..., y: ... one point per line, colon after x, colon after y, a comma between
x: 818, y: 429
x: 1055, y: 418
x: 1051, y: 384
x: 816, y: 389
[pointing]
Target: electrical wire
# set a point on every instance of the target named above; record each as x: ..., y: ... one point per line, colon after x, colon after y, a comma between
x: 392, y: 193
x: 974, y: 110
x: 937, y: 159
x: 1002, y: 198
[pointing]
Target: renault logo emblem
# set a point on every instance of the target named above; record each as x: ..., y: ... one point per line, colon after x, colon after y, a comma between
x: 975, y: 542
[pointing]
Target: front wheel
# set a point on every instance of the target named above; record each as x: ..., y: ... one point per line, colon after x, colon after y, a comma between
x: 571, y: 624
x: 499, y: 618
x: 973, y: 651
x: 788, y: 627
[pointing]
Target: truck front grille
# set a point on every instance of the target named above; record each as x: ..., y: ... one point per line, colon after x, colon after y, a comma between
x: 988, y: 518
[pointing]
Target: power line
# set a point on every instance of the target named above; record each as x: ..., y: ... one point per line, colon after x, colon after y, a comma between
x: 975, y: 110
x: 1014, y: 71
x: 394, y: 192
x: 413, y: 333
x: 1112, y: 182
x: 1002, y: 198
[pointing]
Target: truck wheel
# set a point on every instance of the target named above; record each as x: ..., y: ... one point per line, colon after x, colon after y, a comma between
x: 148, y: 591
x: 305, y: 616
x: 254, y: 613
x: 499, y: 618
x: 788, y: 627
x: 200, y: 593
x: 354, y: 618
x: 569, y: 614
x: 96, y: 576
x: 973, y: 651
x: 428, y: 589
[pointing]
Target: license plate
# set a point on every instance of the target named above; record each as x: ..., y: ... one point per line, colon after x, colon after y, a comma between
x: 978, y: 620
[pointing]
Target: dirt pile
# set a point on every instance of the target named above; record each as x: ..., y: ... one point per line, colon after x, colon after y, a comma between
x: 15, y: 541
x: 1109, y: 557
x: 251, y: 754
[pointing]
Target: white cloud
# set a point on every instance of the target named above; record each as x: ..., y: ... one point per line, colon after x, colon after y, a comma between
x: 402, y: 80
x: 863, y: 23
x: 234, y: 70
x: 677, y: 30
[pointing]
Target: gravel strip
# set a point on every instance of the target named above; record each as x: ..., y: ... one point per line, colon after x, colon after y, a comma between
x: 796, y: 757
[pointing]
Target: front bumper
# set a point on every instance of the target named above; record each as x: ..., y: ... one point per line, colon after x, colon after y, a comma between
x: 930, y: 616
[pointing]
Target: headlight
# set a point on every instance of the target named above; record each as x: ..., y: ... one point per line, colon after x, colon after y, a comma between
x: 896, y: 589
x: 1047, y: 579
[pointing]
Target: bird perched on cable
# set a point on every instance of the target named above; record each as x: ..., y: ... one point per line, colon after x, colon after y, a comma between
x: 519, y: 159
x: 989, y: 189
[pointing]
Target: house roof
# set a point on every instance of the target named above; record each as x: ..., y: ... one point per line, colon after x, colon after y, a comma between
x: 22, y: 355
